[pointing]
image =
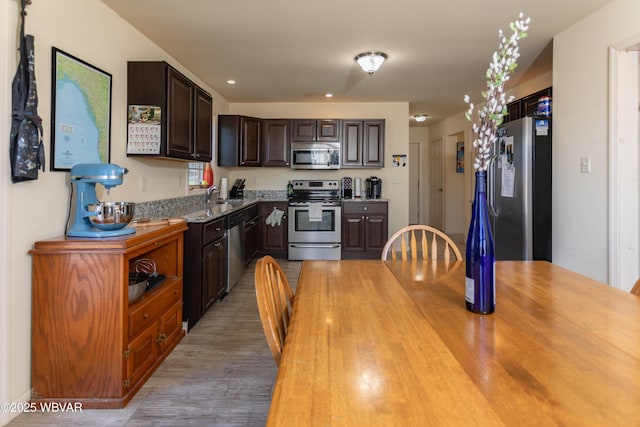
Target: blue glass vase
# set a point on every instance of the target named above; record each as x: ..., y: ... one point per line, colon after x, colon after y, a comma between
x: 480, y: 284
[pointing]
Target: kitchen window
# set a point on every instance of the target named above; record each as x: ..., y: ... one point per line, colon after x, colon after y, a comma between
x: 196, y: 171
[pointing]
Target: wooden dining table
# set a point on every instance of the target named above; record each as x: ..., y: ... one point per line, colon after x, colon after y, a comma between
x: 391, y: 343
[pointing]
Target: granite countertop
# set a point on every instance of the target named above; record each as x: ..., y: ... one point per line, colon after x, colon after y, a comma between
x: 218, y: 209
x: 194, y: 209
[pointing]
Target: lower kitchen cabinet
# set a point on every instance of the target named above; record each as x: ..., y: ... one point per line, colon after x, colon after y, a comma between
x: 273, y: 239
x: 251, y: 235
x: 89, y: 345
x: 205, y: 254
x: 364, y: 229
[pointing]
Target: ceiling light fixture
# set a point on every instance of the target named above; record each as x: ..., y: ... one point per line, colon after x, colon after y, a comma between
x: 420, y: 117
x: 231, y: 82
x: 370, y: 61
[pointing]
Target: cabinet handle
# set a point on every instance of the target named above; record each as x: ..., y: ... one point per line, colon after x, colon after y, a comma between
x: 217, y: 245
x: 284, y: 217
x: 161, y: 337
x: 145, y: 316
x: 364, y: 208
x: 217, y: 228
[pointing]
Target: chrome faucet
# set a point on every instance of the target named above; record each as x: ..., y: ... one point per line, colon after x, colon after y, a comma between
x: 209, y: 191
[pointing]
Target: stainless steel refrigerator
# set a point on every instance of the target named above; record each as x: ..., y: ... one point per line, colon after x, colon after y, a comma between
x: 519, y: 190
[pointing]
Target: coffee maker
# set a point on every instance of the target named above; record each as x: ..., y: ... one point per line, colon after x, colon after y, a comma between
x: 374, y: 188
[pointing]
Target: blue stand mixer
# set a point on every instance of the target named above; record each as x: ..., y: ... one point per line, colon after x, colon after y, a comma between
x: 89, y: 217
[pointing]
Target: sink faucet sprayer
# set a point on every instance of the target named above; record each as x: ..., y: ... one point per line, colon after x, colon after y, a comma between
x: 209, y: 191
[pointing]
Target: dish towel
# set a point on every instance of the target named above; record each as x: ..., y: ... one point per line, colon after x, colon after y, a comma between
x: 315, y: 212
x: 274, y: 218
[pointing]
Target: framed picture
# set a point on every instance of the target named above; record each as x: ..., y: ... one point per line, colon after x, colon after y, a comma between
x: 80, y: 112
x: 460, y: 157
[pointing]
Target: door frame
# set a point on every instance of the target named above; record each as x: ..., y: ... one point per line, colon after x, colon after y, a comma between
x: 441, y: 141
x: 624, y: 192
x: 415, y: 162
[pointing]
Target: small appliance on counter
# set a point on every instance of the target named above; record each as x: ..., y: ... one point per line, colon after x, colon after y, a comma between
x: 374, y: 188
x: 347, y: 190
x: 88, y: 217
x: 357, y: 188
x: 237, y: 190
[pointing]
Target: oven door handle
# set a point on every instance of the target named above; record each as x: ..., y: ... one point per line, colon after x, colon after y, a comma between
x: 314, y: 245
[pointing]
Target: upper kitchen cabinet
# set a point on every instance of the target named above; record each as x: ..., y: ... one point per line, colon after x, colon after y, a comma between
x: 276, y: 134
x: 239, y: 140
x: 306, y: 130
x: 526, y: 106
x: 363, y: 143
x: 185, y: 112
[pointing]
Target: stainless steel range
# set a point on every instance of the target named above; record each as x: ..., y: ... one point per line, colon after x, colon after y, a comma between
x: 315, y: 215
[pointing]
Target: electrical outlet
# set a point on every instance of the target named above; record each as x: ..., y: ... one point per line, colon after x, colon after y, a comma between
x: 143, y: 184
x: 179, y: 181
x: 396, y: 180
x: 585, y: 164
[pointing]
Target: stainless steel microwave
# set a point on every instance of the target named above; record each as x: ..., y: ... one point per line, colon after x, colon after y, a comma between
x: 315, y: 155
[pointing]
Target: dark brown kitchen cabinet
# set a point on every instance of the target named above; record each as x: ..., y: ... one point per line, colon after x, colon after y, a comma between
x: 275, y: 142
x: 363, y: 143
x: 273, y: 239
x: 251, y: 237
x: 526, y: 106
x: 309, y: 130
x: 185, y: 108
x: 364, y: 229
x: 205, y: 253
x: 239, y: 140
x: 204, y: 126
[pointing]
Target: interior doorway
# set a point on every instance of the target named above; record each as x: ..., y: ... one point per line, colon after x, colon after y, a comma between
x: 415, y: 198
x: 624, y: 182
x: 436, y: 183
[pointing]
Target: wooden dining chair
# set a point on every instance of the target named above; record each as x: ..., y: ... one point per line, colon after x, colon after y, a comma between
x: 636, y: 288
x: 431, y: 243
x: 275, y: 303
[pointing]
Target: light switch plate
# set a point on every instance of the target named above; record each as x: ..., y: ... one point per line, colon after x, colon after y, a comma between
x: 585, y: 164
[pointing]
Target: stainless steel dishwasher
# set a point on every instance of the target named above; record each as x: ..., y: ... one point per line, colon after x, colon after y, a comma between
x: 235, y: 247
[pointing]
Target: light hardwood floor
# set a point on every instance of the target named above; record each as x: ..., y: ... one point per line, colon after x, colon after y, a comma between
x: 221, y: 374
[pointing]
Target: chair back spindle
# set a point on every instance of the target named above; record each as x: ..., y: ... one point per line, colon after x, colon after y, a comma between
x: 433, y: 244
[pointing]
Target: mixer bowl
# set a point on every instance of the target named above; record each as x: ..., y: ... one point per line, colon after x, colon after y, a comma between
x: 137, y: 286
x: 110, y: 215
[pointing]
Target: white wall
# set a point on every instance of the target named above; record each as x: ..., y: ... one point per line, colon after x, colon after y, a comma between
x: 396, y: 142
x: 580, y: 96
x: 454, y: 222
x: 37, y: 210
x: 7, y: 44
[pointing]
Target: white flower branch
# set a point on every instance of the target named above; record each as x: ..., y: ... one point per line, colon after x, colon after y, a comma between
x: 503, y: 63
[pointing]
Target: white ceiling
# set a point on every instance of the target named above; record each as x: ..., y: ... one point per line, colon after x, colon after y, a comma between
x: 297, y: 50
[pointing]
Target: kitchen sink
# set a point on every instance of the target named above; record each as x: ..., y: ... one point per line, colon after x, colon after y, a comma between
x: 214, y: 209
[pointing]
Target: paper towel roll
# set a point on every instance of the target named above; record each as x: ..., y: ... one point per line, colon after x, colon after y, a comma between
x: 357, y: 193
x: 223, y: 188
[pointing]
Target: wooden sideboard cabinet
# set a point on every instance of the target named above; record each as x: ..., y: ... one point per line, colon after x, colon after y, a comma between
x: 89, y: 344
